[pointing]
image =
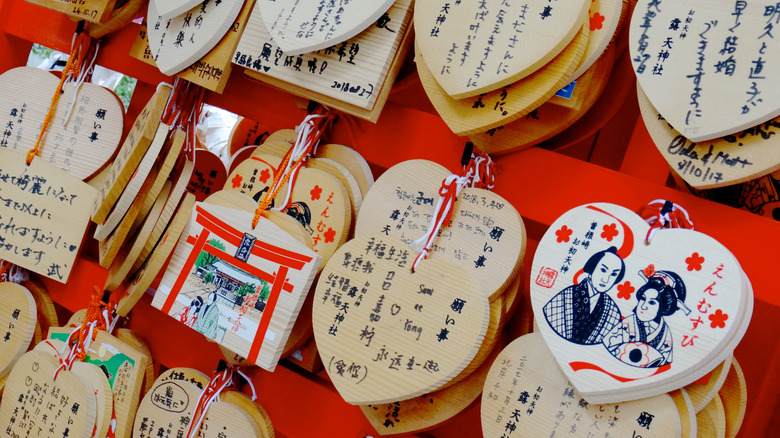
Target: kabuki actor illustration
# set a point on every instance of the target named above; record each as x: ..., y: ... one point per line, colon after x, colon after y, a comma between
x: 621, y: 306
x: 584, y: 313
x: 236, y: 285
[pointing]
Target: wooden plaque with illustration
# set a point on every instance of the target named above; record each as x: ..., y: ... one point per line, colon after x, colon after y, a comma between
x: 238, y: 286
x: 627, y: 319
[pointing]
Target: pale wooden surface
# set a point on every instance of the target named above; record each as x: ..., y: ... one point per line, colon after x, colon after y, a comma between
x: 171, y: 8
x: 25, y: 96
x: 226, y: 420
x: 411, y: 312
x: 548, y: 120
x: 357, y: 83
x: 47, y: 313
x: 403, y: 187
x: 288, y: 302
x: 130, y: 154
x: 552, y: 404
x: 719, y: 162
x: 303, y: 26
x: 668, y: 251
x: 429, y: 410
x: 255, y: 411
x: 100, y: 390
x: 213, y: 69
x: 154, y: 263
x: 254, y: 176
x: 179, y: 387
x: 179, y: 41
x: 476, y: 114
x: 733, y: 394
x: 532, y: 42
x: 18, y: 317
x: 37, y: 367
x: 177, y: 193
x: 128, y: 254
x: 93, y: 11
x: 711, y: 420
x: 703, y: 391
x: 246, y: 132
x: 352, y: 160
x: 59, y: 211
x: 691, y: 85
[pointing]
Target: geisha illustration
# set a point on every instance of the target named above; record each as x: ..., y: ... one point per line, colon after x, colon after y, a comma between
x: 644, y: 339
x: 584, y: 313
x: 207, y: 322
x: 189, y: 314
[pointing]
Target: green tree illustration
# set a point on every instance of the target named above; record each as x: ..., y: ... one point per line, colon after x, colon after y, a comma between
x: 204, y: 258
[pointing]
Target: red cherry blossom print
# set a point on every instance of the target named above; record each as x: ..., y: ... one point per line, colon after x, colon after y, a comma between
x: 236, y: 181
x: 563, y: 234
x: 609, y: 232
x: 330, y: 235
x: 625, y: 290
x: 596, y: 22
x: 718, y: 319
x: 315, y: 193
x: 264, y: 175
x: 694, y: 262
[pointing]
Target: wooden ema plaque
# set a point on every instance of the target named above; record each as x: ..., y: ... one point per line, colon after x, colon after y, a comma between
x: 303, y: 26
x: 128, y: 254
x: 471, y: 48
x: 34, y: 403
x: 525, y: 394
x: 352, y: 161
x: 704, y: 390
x: 484, y: 111
x: 120, y: 17
x: 549, y: 119
x: 246, y: 132
x: 83, y: 146
x: 720, y: 162
x: 17, y: 323
x: 664, y: 313
x: 157, y: 259
x: 93, y: 11
x: 429, y: 410
x: 733, y: 394
x: 171, y: 8
x: 604, y: 17
x: 213, y: 69
x: 218, y: 254
x: 387, y: 334
x: 255, y: 411
x: 44, y: 215
x: 705, y: 66
x: 711, y: 421
x: 353, y: 71
x: 485, y: 237
x: 132, y: 339
x: 166, y: 410
x: 130, y: 154
x: 47, y: 313
x: 180, y: 41
x: 125, y: 368
x: 177, y: 193
x: 208, y: 176
x: 254, y: 176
